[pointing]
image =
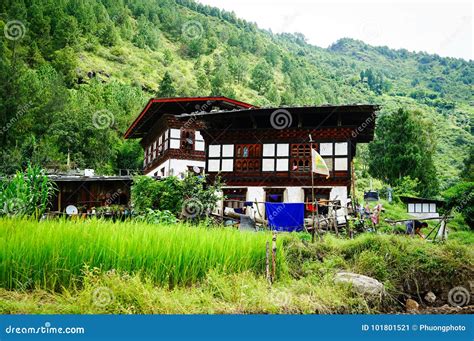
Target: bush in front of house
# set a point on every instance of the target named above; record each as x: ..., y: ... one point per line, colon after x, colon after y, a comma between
x: 190, y: 197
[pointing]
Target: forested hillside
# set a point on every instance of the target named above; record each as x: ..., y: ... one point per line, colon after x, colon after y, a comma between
x: 74, y: 74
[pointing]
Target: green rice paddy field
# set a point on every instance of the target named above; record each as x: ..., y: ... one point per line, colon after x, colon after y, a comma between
x: 95, y: 266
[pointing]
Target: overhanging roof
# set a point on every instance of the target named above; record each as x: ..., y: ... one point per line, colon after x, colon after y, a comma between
x: 359, y: 117
x: 94, y: 178
x: 157, y: 107
x: 407, y: 199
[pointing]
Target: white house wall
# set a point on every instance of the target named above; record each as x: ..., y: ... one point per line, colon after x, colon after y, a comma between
x: 175, y: 167
x: 293, y: 194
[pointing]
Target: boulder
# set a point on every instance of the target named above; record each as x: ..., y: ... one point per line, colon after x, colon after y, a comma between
x: 411, y: 305
x: 360, y: 283
x: 430, y: 297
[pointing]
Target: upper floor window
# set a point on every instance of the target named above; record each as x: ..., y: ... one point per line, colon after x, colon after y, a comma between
x: 247, y: 157
x: 335, y: 154
x: 187, y: 139
x: 175, y: 138
x: 199, y: 141
x: 301, y: 157
x: 220, y: 158
x: 275, y: 157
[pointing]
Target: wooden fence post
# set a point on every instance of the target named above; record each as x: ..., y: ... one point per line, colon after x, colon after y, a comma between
x: 274, y: 249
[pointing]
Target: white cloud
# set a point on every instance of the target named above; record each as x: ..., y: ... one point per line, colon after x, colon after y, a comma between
x: 442, y: 27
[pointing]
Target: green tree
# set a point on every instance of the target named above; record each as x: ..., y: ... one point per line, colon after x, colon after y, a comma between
x: 166, y: 88
x: 65, y: 62
x: 262, y: 77
x: 403, y: 146
x: 460, y: 198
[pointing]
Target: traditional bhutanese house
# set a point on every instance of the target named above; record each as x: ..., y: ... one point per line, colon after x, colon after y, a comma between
x: 262, y: 154
x: 173, y: 146
x: 422, y: 207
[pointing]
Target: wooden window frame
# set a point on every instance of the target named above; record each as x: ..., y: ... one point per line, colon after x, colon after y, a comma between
x: 275, y: 157
x: 334, y: 156
x: 300, y: 153
x: 250, y: 163
x: 221, y: 158
x: 239, y: 194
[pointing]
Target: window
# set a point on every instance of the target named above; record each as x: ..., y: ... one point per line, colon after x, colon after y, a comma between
x: 274, y: 194
x: 247, y: 157
x: 275, y: 157
x: 235, y: 198
x: 175, y: 138
x: 199, y: 141
x: 301, y: 158
x: 221, y: 158
x: 335, y: 154
x: 421, y: 208
x: 187, y: 139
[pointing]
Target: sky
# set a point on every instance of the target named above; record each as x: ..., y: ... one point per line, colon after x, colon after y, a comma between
x: 441, y: 27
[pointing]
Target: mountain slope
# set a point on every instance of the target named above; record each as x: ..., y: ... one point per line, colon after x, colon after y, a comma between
x: 104, y: 59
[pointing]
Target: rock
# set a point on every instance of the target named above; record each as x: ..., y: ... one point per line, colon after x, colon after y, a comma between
x: 361, y: 284
x: 430, y: 297
x: 411, y: 305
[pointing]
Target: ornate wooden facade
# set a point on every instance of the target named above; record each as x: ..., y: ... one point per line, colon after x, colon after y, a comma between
x: 256, y: 151
x: 172, y: 146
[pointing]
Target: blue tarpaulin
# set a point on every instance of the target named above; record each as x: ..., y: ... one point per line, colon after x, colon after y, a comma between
x: 285, y: 216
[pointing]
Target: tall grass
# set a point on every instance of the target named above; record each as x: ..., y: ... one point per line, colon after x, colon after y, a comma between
x: 53, y: 254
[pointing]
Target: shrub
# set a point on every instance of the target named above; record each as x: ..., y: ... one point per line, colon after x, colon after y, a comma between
x: 460, y: 198
x: 191, y: 197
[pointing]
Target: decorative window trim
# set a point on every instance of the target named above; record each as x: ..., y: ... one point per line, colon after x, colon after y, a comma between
x: 279, y: 153
x: 219, y: 162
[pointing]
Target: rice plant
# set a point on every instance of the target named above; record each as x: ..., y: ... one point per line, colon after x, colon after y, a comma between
x: 53, y: 254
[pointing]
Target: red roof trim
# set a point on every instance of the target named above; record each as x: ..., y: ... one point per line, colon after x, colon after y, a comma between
x: 183, y: 99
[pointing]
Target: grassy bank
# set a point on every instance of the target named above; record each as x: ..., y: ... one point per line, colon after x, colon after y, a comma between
x: 102, y: 267
x: 52, y: 254
x: 404, y: 264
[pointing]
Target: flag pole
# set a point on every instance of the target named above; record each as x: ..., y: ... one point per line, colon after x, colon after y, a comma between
x: 314, y: 203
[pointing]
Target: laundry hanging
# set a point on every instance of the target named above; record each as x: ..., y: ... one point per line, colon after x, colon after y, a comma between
x: 287, y: 217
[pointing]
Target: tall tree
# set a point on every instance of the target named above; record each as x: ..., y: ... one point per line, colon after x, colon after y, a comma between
x: 166, y: 88
x: 404, y: 146
x: 262, y: 77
